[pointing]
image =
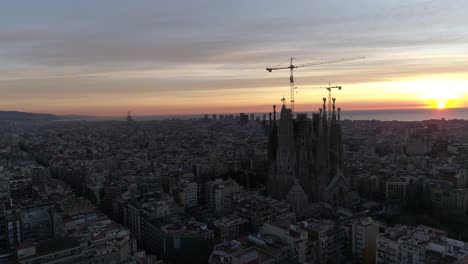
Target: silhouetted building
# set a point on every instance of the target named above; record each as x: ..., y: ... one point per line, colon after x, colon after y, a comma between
x: 310, y: 150
x: 244, y: 119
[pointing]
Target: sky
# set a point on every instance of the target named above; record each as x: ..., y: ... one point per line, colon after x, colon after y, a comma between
x: 180, y: 57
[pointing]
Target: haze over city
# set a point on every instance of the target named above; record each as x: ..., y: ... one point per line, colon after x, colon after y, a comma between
x: 187, y: 57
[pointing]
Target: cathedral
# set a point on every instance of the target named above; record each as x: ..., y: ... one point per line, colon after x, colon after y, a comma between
x: 305, y: 157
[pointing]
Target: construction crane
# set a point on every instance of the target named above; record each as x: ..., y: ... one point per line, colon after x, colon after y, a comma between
x: 329, y: 89
x: 291, y: 68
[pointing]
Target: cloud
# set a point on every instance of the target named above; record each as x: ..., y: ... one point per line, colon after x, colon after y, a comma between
x: 69, y: 51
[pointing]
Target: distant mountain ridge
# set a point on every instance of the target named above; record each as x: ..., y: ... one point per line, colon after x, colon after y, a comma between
x: 17, y: 116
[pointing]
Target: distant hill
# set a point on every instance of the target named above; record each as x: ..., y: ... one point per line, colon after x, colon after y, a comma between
x: 17, y: 116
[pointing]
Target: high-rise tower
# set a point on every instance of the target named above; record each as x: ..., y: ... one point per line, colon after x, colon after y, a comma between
x: 129, y: 116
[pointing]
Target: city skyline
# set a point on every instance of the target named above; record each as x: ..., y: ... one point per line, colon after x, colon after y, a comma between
x: 190, y: 58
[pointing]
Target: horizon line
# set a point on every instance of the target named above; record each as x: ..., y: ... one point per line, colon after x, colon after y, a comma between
x: 238, y: 112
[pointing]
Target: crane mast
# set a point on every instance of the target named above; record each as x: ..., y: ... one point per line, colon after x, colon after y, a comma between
x: 292, y: 66
x: 329, y: 91
x: 291, y: 84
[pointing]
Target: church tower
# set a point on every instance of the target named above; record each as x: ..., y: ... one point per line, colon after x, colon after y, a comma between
x: 323, y: 154
x: 272, y: 151
x: 334, y: 142
x: 307, y: 153
x: 286, y: 153
x: 305, y: 138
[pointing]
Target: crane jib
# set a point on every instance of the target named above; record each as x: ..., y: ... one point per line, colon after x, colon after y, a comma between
x: 292, y: 66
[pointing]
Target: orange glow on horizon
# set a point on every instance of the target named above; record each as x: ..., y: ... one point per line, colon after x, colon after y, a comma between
x: 435, y: 92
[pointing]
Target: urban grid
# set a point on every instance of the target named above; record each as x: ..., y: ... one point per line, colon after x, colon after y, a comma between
x: 224, y: 188
x: 234, y: 132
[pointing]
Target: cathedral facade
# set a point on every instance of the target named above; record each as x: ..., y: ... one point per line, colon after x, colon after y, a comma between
x: 308, y: 152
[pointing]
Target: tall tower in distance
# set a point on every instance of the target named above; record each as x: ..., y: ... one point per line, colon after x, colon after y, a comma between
x: 307, y: 152
x: 129, y: 116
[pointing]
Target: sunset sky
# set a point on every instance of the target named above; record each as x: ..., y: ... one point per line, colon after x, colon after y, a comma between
x: 177, y: 57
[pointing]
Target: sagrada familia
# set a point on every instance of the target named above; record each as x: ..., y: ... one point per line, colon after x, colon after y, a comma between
x: 305, y: 158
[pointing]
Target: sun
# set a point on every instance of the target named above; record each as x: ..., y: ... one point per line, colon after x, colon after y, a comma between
x: 441, y: 105
x: 438, y: 94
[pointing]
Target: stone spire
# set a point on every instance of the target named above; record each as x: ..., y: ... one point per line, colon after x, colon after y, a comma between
x: 272, y: 153
x: 334, y: 110
x: 274, y: 133
x: 334, y: 142
x: 324, y: 106
x: 338, y: 186
x: 274, y: 113
x: 322, y: 154
x: 304, y: 137
x: 341, y: 162
x: 339, y: 114
x: 286, y: 154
